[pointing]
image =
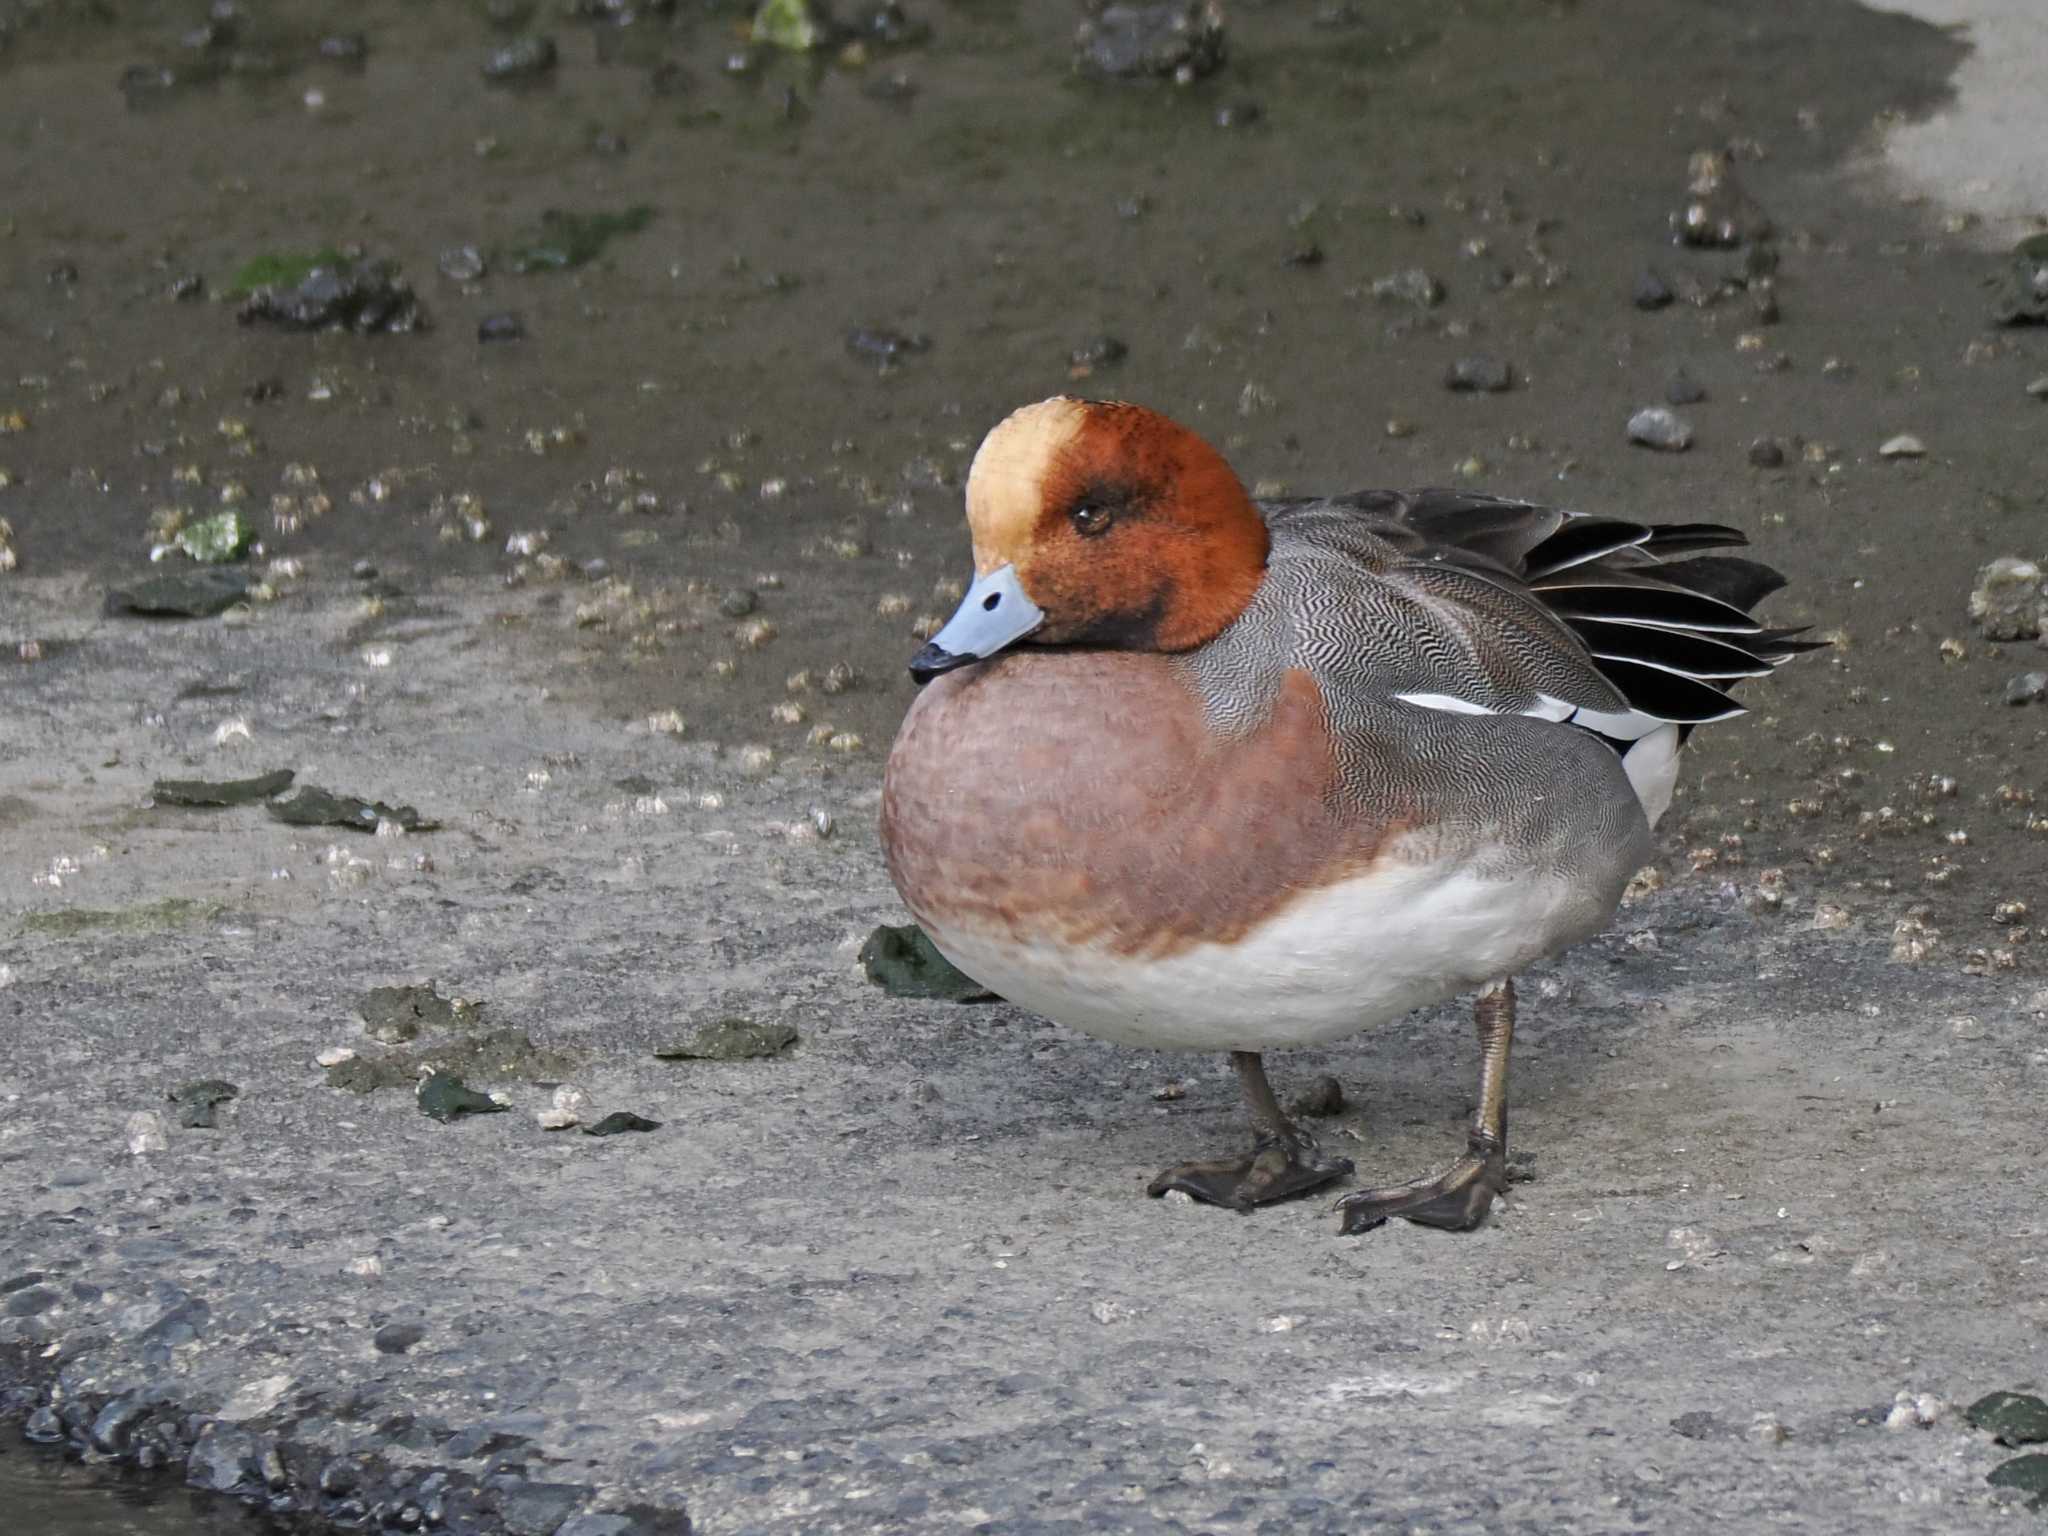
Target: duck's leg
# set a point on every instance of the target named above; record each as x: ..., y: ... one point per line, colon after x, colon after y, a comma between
x: 1457, y: 1199
x: 1284, y: 1159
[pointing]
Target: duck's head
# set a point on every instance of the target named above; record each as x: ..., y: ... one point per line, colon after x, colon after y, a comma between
x: 1099, y: 524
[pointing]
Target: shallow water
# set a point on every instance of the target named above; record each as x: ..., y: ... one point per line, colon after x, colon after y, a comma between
x: 46, y: 1496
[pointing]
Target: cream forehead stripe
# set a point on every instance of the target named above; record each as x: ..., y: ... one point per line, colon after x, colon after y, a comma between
x: 1004, y: 494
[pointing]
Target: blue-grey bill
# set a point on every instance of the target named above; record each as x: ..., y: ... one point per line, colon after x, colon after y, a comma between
x: 994, y: 613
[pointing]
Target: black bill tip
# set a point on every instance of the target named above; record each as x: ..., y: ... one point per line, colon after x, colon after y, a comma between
x: 931, y: 661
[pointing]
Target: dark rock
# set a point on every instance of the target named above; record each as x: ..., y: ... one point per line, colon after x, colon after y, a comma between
x: 19, y: 1282
x: 905, y: 963
x: 538, y: 1509
x: 2023, y: 289
x: 738, y: 602
x: 1480, y: 372
x: 1683, y: 389
x: 263, y: 391
x: 1656, y: 427
x: 197, y: 1102
x: 1097, y: 352
x: 1239, y: 114
x: 43, y: 1427
x: 189, y: 288
x: 1766, y: 453
x: 193, y: 594
x: 597, y: 1525
x: 344, y: 48
x: 397, y: 1014
x: 521, y: 60
x: 563, y: 240
x: 2026, y: 688
x: 1717, y: 212
x: 1304, y: 256
x: 224, y: 1462
x: 32, y: 1301
x: 620, y: 1121
x: 1697, y: 1425
x: 397, y: 1338
x: 1650, y: 291
x: 339, y: 1478
x: 506, y: 325
x: 220, y: 792
x: 1181, y: 40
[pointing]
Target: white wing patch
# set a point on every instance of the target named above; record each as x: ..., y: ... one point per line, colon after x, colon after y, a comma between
x: 1651, y: 761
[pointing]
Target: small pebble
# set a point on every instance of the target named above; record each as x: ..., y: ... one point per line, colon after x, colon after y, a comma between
x: 503, y: 326
x: 145, y: 1133
x: 462, y: 263
x: 2039, y: 388
x: 525, y: 58
x: 334, y: 1056
x: 1904, y: 446
x: 1650, y: 290
x: 1683, y: 389
x: 738, y: 602
x: 2027, y: 688
x: 1656, y: 427
x: 1479, y: 372
x: 1766, y: 453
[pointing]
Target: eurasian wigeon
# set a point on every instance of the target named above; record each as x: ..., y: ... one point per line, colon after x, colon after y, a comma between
x: 1199, y: 772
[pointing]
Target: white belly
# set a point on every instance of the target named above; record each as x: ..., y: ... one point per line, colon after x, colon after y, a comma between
x: 1335, y: 962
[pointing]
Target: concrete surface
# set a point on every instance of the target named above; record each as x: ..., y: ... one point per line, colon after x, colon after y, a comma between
x: 906, y: 1279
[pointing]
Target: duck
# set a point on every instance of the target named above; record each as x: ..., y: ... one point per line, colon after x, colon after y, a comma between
x: 1193, y: 771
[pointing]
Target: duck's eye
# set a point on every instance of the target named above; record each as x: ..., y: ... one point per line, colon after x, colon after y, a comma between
x: 1091, y: 518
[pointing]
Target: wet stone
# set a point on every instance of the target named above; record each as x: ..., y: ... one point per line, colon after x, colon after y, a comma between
x: 198, y: 1102
x: 113, y: 1424
x: 1656, y: 427
x: 1411, y: 285
x: 31, y: 1302
x: 2027, y: 688
x: 732, y: 1039
x: 620, y: 1121
x: 213, y: 793
x: 397, y: 1014
x: 367, y: 297
x: 1650, y: 291
x: 224, y: 1462
x: 538, y: 1509
x: 445, y: 1097
x: 738, y: 602
x: 1904, y: 446
x: 461, y: 263
x: 506, y: 325
x: 1683, y: 389
x: 520, y: 60
x: 1180, y: 40
x: 904, y: 962
x: 1103, y: 351
x: 1766, y: 453
x: 1480, y: 372
x: 196, y: 594
x: 312, y: 806
x: 883, y: 347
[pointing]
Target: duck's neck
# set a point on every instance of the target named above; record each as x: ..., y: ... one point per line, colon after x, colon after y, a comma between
x: 1217, y: 575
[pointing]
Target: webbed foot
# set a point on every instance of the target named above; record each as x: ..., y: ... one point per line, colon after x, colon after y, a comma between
x: 1456, y: 1200
x: 1277, y: 1168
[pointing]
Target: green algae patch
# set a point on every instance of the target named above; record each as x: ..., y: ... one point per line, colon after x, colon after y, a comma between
x: 216, y: 540
x: 2029, y: 1474
x: 397, y: 1014
x: 198, y: 1102
x: 2011, y: 1418
x: 620, y: 1121
x: 487, y: 1056
x: 563, y: 240
x: 206, y: 794
x: 904, y: 962
x: 791, y: 24
x: 316, y: 807
x: 732, y: 1040
x: 280, y: 269
x: 171, y: 912
x: 443, y: 1096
